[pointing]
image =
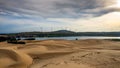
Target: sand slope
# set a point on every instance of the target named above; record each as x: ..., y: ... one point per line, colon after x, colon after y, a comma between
x: 10, y: 58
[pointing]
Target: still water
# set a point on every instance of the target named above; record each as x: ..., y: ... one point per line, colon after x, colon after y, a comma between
x: 78, y: 37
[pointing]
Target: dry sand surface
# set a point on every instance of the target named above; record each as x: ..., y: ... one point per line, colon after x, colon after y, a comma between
x: 61, y: 54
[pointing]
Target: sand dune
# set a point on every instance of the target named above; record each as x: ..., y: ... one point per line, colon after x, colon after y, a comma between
x: 10, y: 58
x: 43, y: 51
x: 61, y: 54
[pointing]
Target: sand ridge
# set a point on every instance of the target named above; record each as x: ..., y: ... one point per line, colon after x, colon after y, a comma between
x: 10, y: 58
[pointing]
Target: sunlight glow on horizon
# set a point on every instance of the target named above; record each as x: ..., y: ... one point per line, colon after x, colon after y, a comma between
x: 118, y: 3
x: 115, y: 5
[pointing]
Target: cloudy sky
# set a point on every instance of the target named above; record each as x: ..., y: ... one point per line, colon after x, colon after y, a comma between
x: 50, y: 15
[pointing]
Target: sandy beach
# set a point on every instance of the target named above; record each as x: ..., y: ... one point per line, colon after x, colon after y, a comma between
x: 61, y: 54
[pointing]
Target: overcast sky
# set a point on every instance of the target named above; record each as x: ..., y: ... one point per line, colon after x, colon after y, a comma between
x: 50, y: 15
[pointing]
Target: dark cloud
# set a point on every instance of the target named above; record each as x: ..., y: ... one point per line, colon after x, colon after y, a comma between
x: 56, y: 8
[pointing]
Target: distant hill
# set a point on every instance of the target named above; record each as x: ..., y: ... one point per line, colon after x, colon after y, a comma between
x: 64, y: 31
